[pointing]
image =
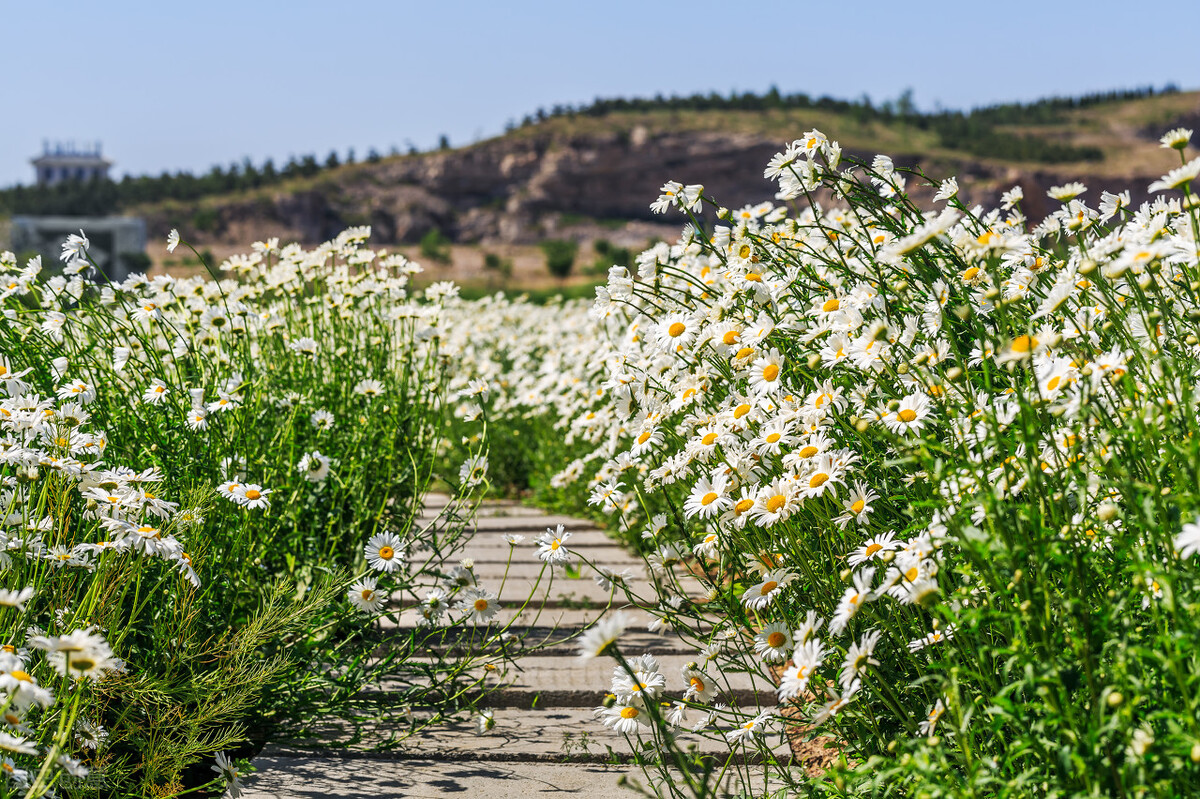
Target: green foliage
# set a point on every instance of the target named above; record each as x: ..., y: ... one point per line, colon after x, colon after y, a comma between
x: 608, y: 255
x: 492, y: 262
x: 435, y: 246
x: 560, y: 256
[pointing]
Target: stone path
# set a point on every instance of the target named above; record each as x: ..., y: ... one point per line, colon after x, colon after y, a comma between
x: 545, y: 741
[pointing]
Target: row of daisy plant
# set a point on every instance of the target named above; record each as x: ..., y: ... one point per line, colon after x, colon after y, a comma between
x: 212, y: 526
x: 918, y: 481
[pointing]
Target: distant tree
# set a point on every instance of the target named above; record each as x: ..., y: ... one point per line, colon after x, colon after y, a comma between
x: 435, y: 246
x: 350, y: 156
x: 560, y: 257
x: 332, y: 161
x: 443, y: 142
x: 493, y: 263
x: 373, y: 156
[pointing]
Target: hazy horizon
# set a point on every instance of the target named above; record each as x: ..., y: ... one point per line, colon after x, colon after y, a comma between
x: 182, y: 89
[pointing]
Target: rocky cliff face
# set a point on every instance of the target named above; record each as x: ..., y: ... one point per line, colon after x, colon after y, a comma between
x: 521, y: 189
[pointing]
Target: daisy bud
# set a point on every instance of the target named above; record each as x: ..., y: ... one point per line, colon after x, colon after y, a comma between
x: 845, y: 574
x: 962, y: 312
x: 1115, y: 272
x: 1115, y: 699
x: 1087, y: 267
x: 992, y: 293
x: 862, y: 425
x: 934, y: 740
x: 1195, y: 753
x: 954, y: 373
x: 900, y: 285
x: 1107, y: 512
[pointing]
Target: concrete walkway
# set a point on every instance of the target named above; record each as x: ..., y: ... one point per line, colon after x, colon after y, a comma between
x: 545, y: 741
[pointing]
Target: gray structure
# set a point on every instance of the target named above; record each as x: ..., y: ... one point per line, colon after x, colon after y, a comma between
x: 118, y: 243
x: 65, y: 162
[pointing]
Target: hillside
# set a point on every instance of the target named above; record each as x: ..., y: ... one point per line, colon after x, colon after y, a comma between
x: 593, y: 174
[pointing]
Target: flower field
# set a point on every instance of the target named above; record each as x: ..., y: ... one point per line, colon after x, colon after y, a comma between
x: 932, y: 473
x: 206, y: 484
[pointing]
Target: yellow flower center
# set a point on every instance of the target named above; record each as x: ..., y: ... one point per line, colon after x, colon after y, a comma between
x: 644, y: 437
x: 857, y: 507
x: 252, y: 494
x: 809, y: 451
x: 817, y: 480
x: 907, y: 415
x: 971, y: 273
x: 741, y: 411
x: 743, y: 506
x: 911, y: 574
x: 1024, y: 343
x: 555, y: 544
x: 629, y: 712
x: 367, y: 593
x: 481, y: 605
x: 709, y: 498
x: 772, y: 438
x: 775, y: 503
x: 768, y: 587
x: 872, y: 548
x: 676, y: 330
x: 697, y: 684
x: 745, y: 352
x: 831, y: 305
x: 770, y: 372
x: 776, y: 639
x: 731, y: 338
x: 754, y: 277
x: 708, y: 439
x: 18, y: 674
x: 387, y: 553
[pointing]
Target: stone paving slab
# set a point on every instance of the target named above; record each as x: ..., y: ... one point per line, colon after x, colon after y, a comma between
x: 529, y: 568
x: 565, y: 672
x: 544, y: 733
x: 567, y: 617
x: 585, y: 593
x: 370, y: 777
x: 308, y: 777
x: 521, y: 524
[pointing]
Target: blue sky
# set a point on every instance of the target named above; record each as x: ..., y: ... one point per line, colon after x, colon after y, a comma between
x: 169, y: 85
